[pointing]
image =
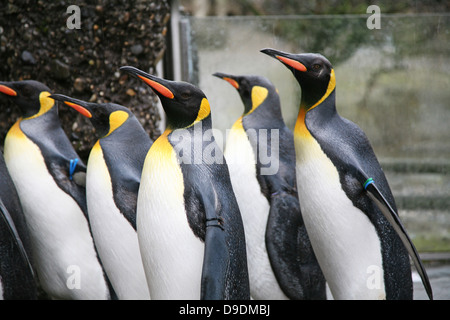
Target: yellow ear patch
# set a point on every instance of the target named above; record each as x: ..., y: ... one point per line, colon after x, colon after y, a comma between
x: 330, y: 88
x: 116, y: 119
x: 204, y: 111
x: 259, y: 94
x: 300, y: 127
x: 45, y: 102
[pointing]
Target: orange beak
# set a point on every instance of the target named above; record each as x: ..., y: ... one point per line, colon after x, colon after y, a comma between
x: 292, y: 63
x: 7, y: 90
x: 85, y: 112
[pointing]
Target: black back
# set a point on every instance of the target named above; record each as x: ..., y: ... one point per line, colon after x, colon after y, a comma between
x: 124, y: 151
x: 16, y: 272
x: 209, y: 185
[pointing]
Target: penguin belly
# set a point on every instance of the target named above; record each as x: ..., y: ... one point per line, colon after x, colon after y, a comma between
x: 62, y: 246
x: 254, y: 209
x: 114, y: 236
x: 343, y: 238
x: 172, y: 254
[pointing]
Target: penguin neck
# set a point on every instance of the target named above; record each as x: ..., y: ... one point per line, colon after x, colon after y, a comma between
x: 46, y: 105
x: 116, y: 120
x: 325, y: 106
x: 265, y: 115
x: 45, y: 118
x: 258, y: 96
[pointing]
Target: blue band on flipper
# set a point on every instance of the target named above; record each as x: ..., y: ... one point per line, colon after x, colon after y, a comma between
x: 73, y: 165
x: 367, y: 183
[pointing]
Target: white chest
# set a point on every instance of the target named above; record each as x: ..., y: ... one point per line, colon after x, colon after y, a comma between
x: 62, y: 246
x: 344, y: 240
x: 254, y: 209
x: 115, y: 238
x: 172, y: 254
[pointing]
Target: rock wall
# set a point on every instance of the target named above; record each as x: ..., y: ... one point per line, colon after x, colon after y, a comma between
x: 37, y: 42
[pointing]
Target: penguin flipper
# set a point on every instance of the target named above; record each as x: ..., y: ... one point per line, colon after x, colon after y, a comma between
x: 291, y: 256
x: 15, y: 235
x: 216, y: 257
x: 393, y: 218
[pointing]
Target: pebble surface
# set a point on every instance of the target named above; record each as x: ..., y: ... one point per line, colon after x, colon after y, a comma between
x: 84, y: 63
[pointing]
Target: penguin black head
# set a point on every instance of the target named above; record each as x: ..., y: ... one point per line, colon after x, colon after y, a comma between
x: 32, y: 97
x: 105, y: 117
x: 183, y: 102
x: 313, y: 72
x: 253, y: 90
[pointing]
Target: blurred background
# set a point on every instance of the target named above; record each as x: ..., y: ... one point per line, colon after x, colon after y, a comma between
x: 393, y: 81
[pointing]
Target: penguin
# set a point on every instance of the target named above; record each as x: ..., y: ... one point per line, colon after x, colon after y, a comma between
x: 112, y: 182
x: 282, y: 264
x: 347, y: 205
x: 17, y: 278
x: 189, y: 225
x: 45, y: 170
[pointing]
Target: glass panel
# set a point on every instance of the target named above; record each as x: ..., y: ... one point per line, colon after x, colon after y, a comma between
x: 393, y: 82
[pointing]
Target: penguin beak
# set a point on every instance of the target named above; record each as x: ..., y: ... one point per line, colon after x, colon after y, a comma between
x: 229, y: 78
x: 79, y: 105
x: 288, y: 59
x: 160, y: 86
x: 7, y: 90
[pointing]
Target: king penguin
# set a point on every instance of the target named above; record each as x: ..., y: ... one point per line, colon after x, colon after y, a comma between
x: 17, y: 280
x: 189, y: 225
x: 281, y: 261
x: 41, y: 162
x: 112, y: 182
x: 347, y: 205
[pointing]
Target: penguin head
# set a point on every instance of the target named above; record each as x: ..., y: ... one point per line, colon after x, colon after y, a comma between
x: 32, y: 97
x: 313, y: 72
x: 105, y: 117
x: 183, y: 103
x: 253, y: 90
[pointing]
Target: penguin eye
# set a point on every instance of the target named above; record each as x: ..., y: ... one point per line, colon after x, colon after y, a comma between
x: 316, y: 66
x: 185, y: 95
x: 26, y: 91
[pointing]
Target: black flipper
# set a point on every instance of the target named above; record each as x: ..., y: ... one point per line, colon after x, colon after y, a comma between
x: 15, y: 235
x: 216, y: 257
x: 288, y: 241
x: 393, y: 218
